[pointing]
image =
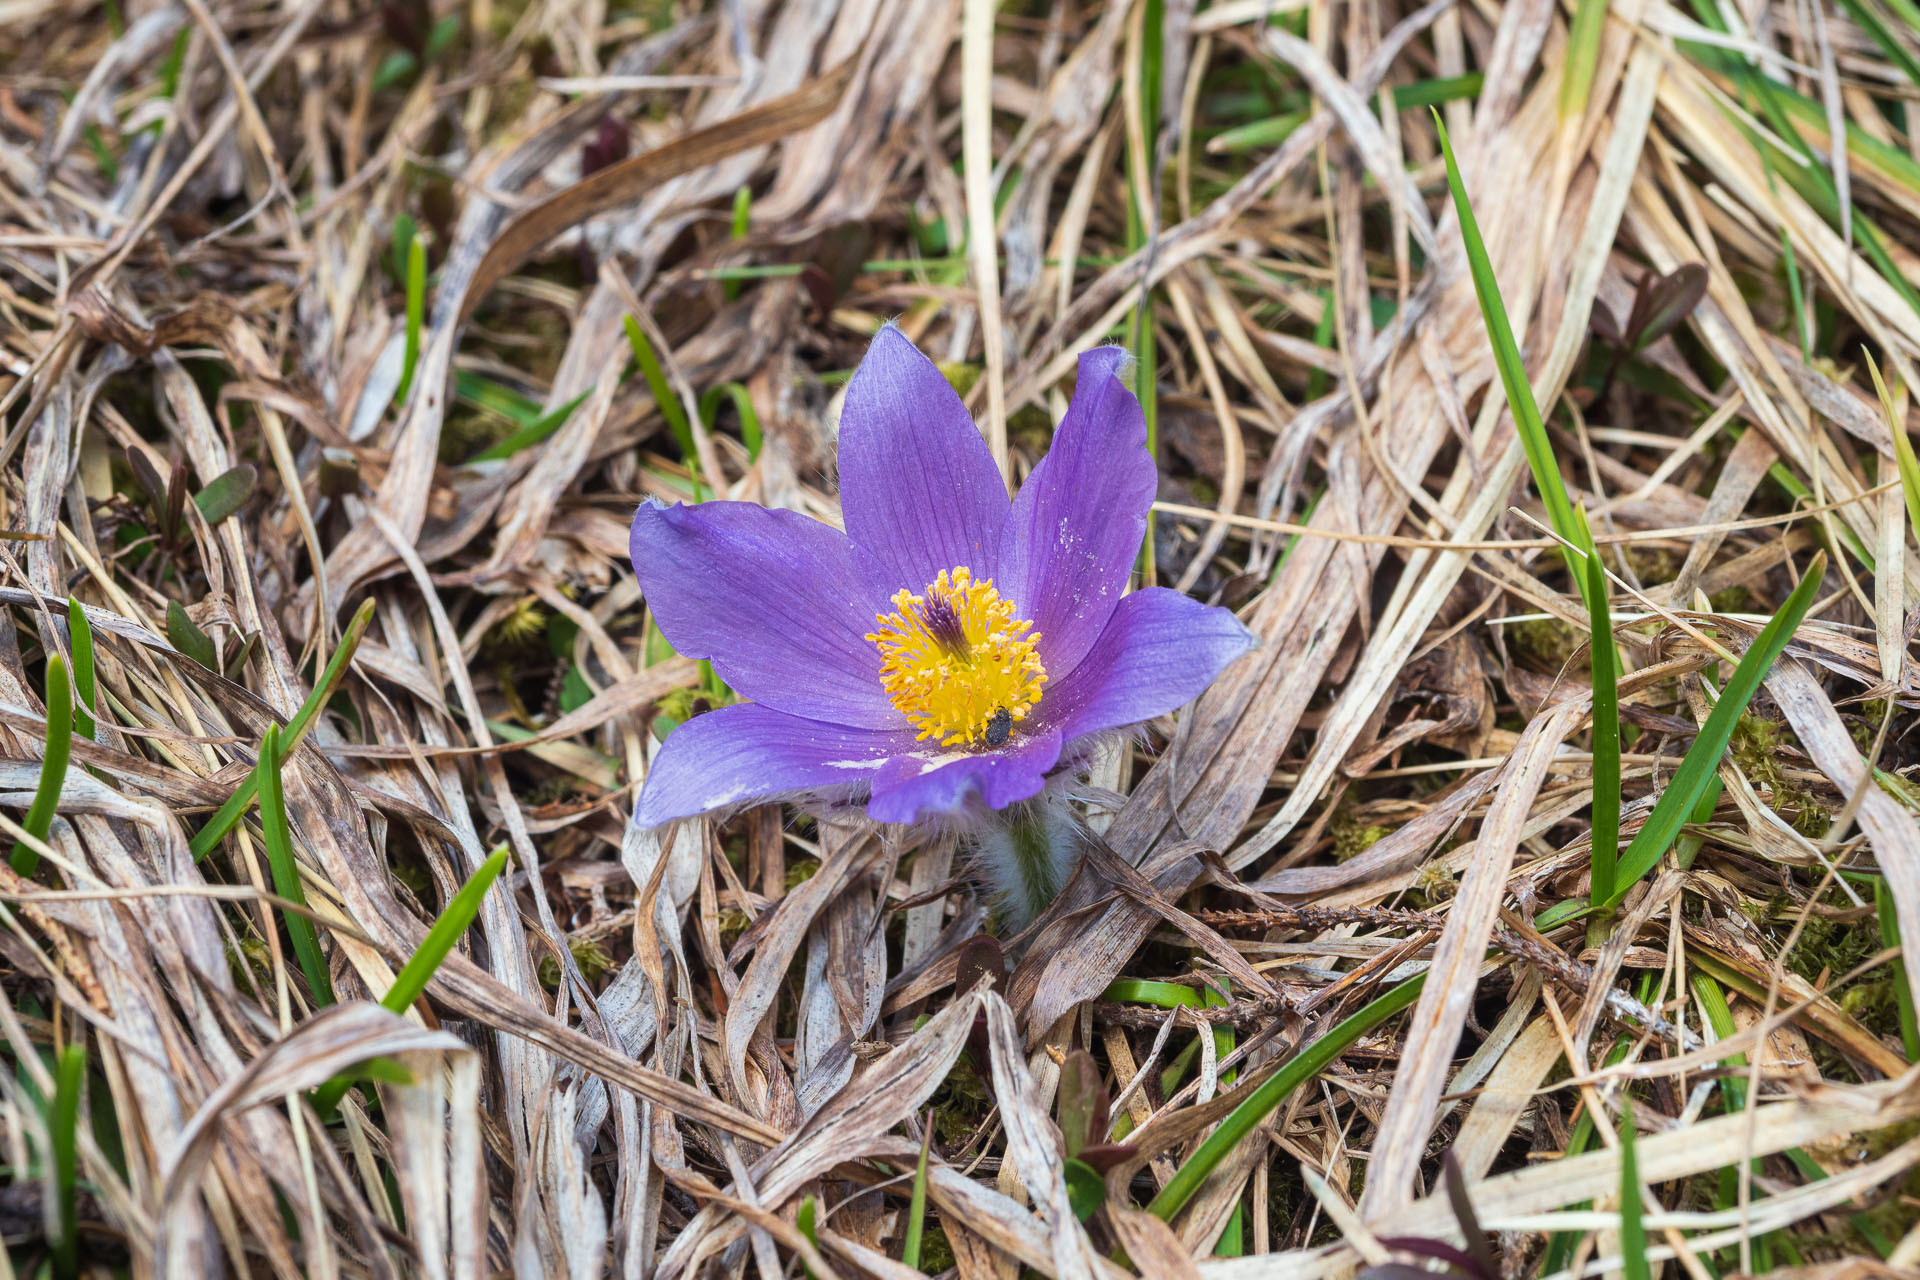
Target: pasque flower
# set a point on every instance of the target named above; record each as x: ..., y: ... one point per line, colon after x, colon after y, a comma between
x: 951, y: 650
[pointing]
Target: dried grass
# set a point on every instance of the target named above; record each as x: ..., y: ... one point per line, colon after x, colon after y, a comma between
x: 688, y: 1052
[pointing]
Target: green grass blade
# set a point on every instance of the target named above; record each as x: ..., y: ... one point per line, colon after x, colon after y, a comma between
x: 1513, y: 373
x: 53, y: 766
x: 917, y: 1207
x: 416, y: 315
x: 1438, y: 91
x: 750, y: 433
x: 1271, y: 1092
x: 742, y: 219
x: 63, y: 1137
x: 1561, y: 1244
x: 1633, y: 1231
x: 286, y: 875
x: 411, y: 982
x: 1902, y: 446
x: 80, y: 640
x: 1703, y: 758
x: 668, y: 403
x: 1890, y: 937
x: 1583, y: 51
x: 208, y: 838
x: 1869, y: 22
x: 530, y: 434
x: 1606, y: 737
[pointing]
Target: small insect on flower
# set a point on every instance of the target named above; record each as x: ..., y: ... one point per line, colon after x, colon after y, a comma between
x: 999, y: 727
x: 891, y: 665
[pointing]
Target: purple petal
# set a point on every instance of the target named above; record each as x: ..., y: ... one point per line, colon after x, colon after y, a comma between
x: 1158, y: 652
x: 918, y: 486
x: 780, y: 603
x: 1079, y: 519
x: 928, y: 780
x: 748, y: 752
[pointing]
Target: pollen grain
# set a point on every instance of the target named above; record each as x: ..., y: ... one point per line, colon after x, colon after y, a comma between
x: 955, y: 656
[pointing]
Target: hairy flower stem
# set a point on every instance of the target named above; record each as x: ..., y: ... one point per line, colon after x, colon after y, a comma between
x: 1025, y: 857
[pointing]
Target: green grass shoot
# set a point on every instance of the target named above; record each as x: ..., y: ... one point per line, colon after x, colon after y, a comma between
x: 1583, y: 51
x: 1513, y: 376
x: 278, y: 838
x: 63, y: 1137
x: 80, y: 641
x: 411, y: 982
x: 208, y: 838
x: 1890, y: 937
x: 1701, y: 764
x: 750, y: 433
x: 53, y: 766
x: 917, y: 1207
x: 416, y: 316
x: 1264, y: 1097
x: 1606, y: 736
x: 1702, y: 760
x: 663, y: 398
x: 1902, y: 446
x: 1633, y: 1230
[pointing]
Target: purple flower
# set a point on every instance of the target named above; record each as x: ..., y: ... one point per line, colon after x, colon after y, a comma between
x: 951, y: 648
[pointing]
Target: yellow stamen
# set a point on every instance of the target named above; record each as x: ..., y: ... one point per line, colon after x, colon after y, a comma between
x: 952, y: 659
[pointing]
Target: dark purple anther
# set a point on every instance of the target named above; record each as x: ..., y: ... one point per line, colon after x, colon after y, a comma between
x: 944, y: 624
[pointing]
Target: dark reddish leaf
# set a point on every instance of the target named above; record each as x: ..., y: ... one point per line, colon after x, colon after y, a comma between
x: 407, y: 23
x: 1086, y: 1189
x: 1400, y: 1271
x: 1082, y: 1102
x: 148, y: 478
x: 1106, y: 1156
x: 1488, y: 1265
x: 1602, y: 324
x: 1458, y: 1260
x: 1662, y: 302
x: 978, y: 958
x: 819, y: 287
x: 610, y: 145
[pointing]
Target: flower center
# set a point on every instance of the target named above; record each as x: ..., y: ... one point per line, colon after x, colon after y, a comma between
x: 957, y: 662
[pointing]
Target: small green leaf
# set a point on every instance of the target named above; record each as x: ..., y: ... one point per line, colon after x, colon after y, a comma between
x: 188, y: 638
x: 917, y: 1207
x: 228, y: 493
x: 1086, y: 1189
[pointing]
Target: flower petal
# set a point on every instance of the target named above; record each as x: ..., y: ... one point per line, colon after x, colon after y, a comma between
x: 748, y: 752
x: 918, y: 487
x: 927, y: 780
x: 780, y: 603
x: 1079, y: 519
x: 1159, y: 651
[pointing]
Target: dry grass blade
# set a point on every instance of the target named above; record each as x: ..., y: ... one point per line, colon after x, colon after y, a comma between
x: 321, y: 435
